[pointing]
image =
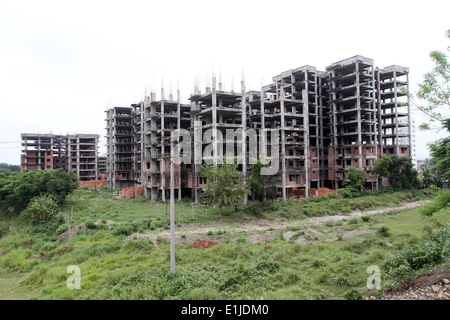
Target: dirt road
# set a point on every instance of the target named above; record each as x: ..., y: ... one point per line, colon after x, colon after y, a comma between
x: 189, y: 233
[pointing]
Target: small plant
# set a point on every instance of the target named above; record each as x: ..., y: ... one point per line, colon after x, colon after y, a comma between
x: 352, y: 295
x: 383, y: 231
x: 90, y: 224
x: 210, y: 233
x: 41, y: 208
x: 123, y: 230
x: 241, y: 240
x: 329, y: 224
x: 365, y: 218
x: 352, y: 221
x: 183, y: 236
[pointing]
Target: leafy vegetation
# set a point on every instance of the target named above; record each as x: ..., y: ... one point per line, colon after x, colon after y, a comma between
x: 18, y: 188
x: 431, y: 251
x: 9, y: 167
x: 440, y: 202
x: 354, y: 179
x: 399, y: 170
x: 224, y: 185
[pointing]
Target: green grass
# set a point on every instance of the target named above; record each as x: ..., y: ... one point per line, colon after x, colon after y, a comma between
x: 34, y: 266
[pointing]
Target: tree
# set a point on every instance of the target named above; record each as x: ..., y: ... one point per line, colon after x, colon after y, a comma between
x: 258, y: 183
x: 434, y: 92
x: 440, y: 153
x: 381, y: 166
x: 18, y: 188
x: 225, y: 185
x: 9, y: 167
x: 399, y: 170
x: 354, y: 179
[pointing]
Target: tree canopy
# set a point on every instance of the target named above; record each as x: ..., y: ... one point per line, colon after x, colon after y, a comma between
x: 18, y: 188
x: 225, y: 185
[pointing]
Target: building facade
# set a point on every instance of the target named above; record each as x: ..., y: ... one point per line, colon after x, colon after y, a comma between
x: 78, y: 153
x: 324, y: 123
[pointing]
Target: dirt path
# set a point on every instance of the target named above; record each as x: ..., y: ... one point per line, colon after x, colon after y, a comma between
x: 188, y: 233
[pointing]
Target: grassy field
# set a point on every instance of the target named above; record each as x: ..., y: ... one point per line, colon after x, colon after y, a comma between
x: 116, y: 266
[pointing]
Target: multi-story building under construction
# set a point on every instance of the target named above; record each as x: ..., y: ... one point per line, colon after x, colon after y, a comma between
x: 325, y: 122
x: 78, y: 153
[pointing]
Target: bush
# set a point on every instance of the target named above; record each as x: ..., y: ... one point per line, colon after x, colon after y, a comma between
x: 352, y: 295
x: 441, y: 201
x: 349, y: 192
x: 41, y: 208
x: 18, y: 188
x: 268, y: 266
x: 258, y: 209
x: 432, y: 251
x: 383, y: 231
x: 365, y: 218
x: 90, y: 224
x: 123, y: 230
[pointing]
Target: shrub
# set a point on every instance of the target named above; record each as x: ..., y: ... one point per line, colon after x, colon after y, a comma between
x: 383, y: 231
x: 365, y: 218
x: 18, y: 188
x: 123, y: 230
x: 352, y: 295
x: 41, y: 208
x: 268, y: 266
x: 90, y: 224
x: 258, y: 209
x: 441, y: 201
x: 432, y: 251
x: 141, y: 224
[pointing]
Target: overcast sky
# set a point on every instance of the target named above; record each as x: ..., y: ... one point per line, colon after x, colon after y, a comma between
x: 63, y: 63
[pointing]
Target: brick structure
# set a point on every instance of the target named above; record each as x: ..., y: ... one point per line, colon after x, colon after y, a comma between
x: 327, y: 121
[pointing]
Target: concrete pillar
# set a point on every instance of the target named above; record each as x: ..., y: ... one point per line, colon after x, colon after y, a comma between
x: 244, y: 136
x: 306, y: 137
x: 397, y: 140
x: 358, y: 116
x: 283, y: 145
x: 214, y: 120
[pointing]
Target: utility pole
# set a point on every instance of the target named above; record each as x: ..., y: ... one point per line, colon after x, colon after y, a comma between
x: 172, y: 211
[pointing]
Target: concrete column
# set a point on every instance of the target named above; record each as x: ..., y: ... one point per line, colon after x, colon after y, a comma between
x: 283, y: 145
x: 179, y: 127
x: 214, y: 120
x: 409, y: 119
x: 397, y: 140
x: 306, y: 139
x: 162, y: 161
x: 358, y: 116
x: 244, y: 135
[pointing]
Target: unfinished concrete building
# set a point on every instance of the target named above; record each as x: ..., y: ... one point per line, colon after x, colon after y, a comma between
x: 120, y: 139
x: 327, y: 121
x: 82, y: 155
x: 78, y: 153
x: 161, y: 118
x: 354, y: 118
x: 222, y: 119
x: 42, y: 151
